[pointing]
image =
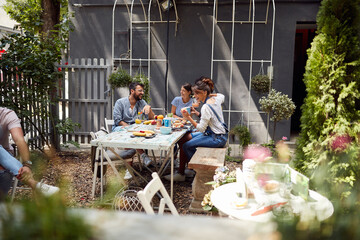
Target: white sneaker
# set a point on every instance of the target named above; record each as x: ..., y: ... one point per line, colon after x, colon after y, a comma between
x: 47, y: 190
x: 127, y: 175
x: 127, y: 153
x: 189, y: 172
x: 146, y: 160
x: 177, y: 177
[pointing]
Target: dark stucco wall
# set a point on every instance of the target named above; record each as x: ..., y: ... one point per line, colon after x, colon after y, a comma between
x: 190, y: 48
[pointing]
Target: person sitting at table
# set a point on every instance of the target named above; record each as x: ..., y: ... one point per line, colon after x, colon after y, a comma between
x: 184, y: 100
x: 211, y: 132
x: 125, y: 112
x: 10, y: 166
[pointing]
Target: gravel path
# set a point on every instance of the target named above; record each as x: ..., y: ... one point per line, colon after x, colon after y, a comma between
x: 71, y: 170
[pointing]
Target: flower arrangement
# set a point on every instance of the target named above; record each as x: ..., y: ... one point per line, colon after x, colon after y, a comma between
x: 222, y: 176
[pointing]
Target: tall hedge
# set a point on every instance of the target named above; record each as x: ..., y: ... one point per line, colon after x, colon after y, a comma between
x: 328, y: 146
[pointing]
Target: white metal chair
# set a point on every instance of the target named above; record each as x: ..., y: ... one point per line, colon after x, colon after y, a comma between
x: 154, y: 186
x: 111, y: 157
x: 107, y: 123
x: 16, y: 181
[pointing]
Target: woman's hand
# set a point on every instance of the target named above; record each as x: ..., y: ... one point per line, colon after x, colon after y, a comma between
x: 185, y: 114
x: 194, y: 111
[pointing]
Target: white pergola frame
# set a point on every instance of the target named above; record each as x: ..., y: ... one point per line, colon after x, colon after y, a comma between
x: 251, y: 21
x: 147, y: 20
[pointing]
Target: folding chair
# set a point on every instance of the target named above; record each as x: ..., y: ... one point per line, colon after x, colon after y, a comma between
x: 16, y: 181
x: 153, y: 187
x: 112, y: 158
x: 107, y: 123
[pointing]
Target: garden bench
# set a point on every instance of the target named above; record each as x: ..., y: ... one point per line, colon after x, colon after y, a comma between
x: 204, y: 162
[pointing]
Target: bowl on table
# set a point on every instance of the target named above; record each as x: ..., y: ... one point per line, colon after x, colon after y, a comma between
x: 165, y: 130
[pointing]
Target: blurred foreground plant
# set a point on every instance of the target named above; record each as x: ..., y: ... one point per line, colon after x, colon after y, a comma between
x: 44, y: 218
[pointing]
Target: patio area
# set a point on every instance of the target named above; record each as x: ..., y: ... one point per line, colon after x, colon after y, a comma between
x: 67, y: 165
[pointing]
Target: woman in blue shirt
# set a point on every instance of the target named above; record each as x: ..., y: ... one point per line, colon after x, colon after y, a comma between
x: 185, y: 100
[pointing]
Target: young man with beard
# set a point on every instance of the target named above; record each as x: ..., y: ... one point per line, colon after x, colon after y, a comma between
x: 125, y: 112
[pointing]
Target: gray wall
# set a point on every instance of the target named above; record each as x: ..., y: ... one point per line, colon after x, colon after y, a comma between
x: 190, y: 48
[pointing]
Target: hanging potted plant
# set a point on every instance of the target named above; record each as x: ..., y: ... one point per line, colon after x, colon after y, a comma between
x: 119, y: 78
x: 260, y: 84
x: 242, y: 133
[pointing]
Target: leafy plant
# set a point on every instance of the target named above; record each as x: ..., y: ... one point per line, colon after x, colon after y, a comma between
x: 46, y: 218
x: 141, y: 78
x: 260, y: 83
x: 242, y: 133
x: 119, y: 78
x: 331, y: 107
x: 278, y: 105
x: 29, y: 77
x: 67, y: 126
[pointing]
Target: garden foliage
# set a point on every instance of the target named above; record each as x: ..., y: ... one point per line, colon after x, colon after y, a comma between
x: 330, y: 121
x: 30, y: 75
x: 278, y: 105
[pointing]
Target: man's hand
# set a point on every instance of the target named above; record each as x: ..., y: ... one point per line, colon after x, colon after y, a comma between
x: 24, y: 174
x: 147, y: 109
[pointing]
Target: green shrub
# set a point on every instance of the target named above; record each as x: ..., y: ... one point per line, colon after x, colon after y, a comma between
x: 331, y: 107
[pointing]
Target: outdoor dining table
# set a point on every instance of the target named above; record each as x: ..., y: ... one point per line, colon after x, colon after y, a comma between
x: 225, y: 196
x: 124, y: 139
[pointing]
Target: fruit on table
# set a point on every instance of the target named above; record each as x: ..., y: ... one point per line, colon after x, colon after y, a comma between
x: 146, y: 133
x: 160, y: 117
x: 170, y: 114
x: 147, y: 122
x: 155, y: 117
x: 137, y: 121
x: 153, y: 122
x: 141, y: 134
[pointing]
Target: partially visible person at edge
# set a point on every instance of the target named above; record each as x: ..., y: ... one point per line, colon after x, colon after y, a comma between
x: 126, y: 110
x: 182, y: 101
x: 10, y: 166
x: 211, y: 132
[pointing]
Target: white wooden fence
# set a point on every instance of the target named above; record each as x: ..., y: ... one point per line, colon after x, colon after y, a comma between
x: 84, y: 96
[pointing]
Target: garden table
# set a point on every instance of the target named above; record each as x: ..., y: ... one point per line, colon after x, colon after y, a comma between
x: 123, y: 139
x: 225, y: 196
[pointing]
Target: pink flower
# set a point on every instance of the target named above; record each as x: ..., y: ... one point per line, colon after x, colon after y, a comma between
x: 340, y: 143
x: 257, y: 153
x: 284, y: 138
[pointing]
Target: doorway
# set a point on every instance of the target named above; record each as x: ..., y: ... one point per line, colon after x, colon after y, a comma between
x: 305, y: 34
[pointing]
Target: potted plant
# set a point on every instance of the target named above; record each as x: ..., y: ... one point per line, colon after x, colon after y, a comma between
x: 278, y: 105
x: 119, y: 78
x: 242, y: 133
x: 260, y: 83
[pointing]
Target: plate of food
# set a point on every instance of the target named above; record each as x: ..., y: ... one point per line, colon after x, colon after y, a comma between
x: 271, y: 186
x: 239, y: 203
x: 145, y: 134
